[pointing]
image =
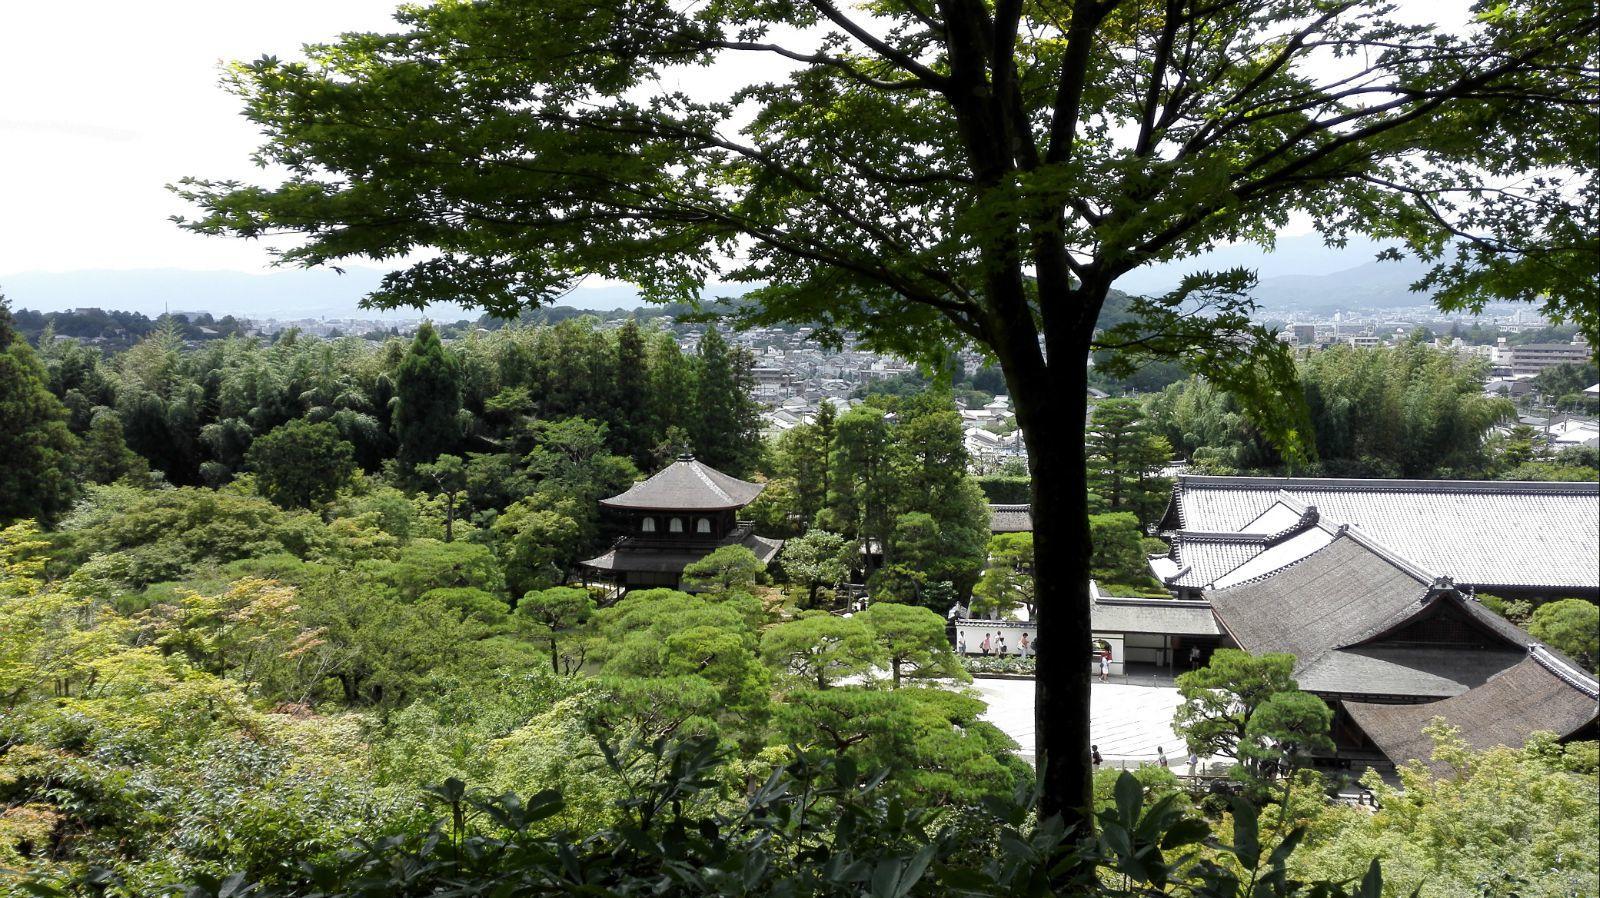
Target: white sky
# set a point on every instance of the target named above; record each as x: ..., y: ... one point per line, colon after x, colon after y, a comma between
x: 104, y: 102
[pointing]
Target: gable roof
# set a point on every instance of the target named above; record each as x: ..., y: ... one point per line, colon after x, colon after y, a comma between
x: 1329, y: 599
x: 1529, y: 535
x: 687, y: 485
x: 1543, y: 691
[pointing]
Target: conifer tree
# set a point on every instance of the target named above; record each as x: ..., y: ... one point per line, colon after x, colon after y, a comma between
x: 726, y: 434
x: 36, y: 447
x: 428, y: 398
x: 630, y: 424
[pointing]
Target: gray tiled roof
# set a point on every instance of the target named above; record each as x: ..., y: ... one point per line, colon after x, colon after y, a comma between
x: 1171, y: 616
x: 1010, y: 519
x: 1205, y: 557
x: 1329, y: 599
x: 1541, y: 692
x: 1419, y: 671
x: 673, y: 562
x: 1532, y: 535
x: 688, y: 485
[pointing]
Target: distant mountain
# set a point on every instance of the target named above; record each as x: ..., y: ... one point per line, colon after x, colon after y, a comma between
x: 287, y: 294
x: 1300, y: 275
x: 1375, y: 285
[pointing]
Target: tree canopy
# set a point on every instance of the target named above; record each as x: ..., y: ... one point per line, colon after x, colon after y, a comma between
x: 934, y: 176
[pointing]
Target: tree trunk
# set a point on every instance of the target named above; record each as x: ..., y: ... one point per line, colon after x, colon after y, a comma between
x: 1051, y: 406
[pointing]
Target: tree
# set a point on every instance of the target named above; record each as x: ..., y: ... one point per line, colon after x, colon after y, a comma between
x: 1571, y: 626
x: 819, y: 649
x: 1126, y: 458
x: 105, y: 456
x: 727, y: 424
x: 427, y: 400
x: 301, y: 465
x: 728, y: 569
x: 911, y: 637
x: 817, y: 559
x: 933, y: 177
x: 449, y: 476
x: 1007, y: 582
x: 558, y: 608
x: 1249, y: 708
x: 1118, y: 550
x: 539, y: 538
x: 36, y: 478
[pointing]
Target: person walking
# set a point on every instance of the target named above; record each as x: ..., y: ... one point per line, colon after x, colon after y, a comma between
x: 1194, y: 763
x: 962, y: 647
x: 1194, y: 657
x: 984, y: 645
x: 1024, y: 643
x: 1161, y: 756
x: 1105, y: 667
x: 1094, y: 756
x: 1003, y: 645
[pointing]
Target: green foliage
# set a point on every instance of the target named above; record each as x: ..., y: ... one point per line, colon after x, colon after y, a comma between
x: 1119, y: 553
x: 1249, y: 708
x: 1499, y: 822
x: 726, y: 430
x: 726, y: 570
x: 104, y: 456
x: 36, y: 480
x: 1007, y: 582
x: 301, y: 465
x: 558, y: 609
x: 817, y: 559
x: 1571, y: 626
x: 913, y: 640
x: 427, y: 399
x: 1126, y: 456
x: 818, y: 649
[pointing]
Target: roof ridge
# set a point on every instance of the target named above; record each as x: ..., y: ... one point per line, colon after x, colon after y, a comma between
x: 697, y: 468
x: 1278, y: 570
x: 1574, y: 676
x: 1378, y: 484
x: 1405, y: 564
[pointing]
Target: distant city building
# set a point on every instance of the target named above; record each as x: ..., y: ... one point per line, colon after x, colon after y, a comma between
x: 1531, y: 358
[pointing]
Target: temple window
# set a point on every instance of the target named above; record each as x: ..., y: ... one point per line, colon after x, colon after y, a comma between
x: 703, y: 525
x: 648, y: 525
x: 675, y: 525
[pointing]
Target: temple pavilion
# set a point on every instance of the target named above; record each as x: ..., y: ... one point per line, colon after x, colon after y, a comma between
x: 677, y: 517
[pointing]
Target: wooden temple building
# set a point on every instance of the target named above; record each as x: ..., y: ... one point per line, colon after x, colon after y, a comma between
x: 677, y: 517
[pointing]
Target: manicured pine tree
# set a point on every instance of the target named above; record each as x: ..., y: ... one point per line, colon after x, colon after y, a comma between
x: 428, y: 394
x: 36, y: 477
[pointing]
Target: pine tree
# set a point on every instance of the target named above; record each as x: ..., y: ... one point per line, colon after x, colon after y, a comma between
x: 630, y: 425
x: 428, y: 398
x: 726, y: 429
x: 105, y: 456
x: 36, y: 447
x: 1125, y: 458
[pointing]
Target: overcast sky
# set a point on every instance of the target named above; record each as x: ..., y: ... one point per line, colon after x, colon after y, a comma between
x: 104, y: 102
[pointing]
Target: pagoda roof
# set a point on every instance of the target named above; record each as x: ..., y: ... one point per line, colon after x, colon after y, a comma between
x: 687, y: 485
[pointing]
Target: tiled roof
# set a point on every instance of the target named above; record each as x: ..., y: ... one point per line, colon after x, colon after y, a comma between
x: 1417, y: 671
x: 687, y: 485
x: 627, y: 560
x: 1176, y: 617
x: 1540, y: 692
x: 1010, y: 519
x: 1330, y: 599
x: 1533, y: 535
